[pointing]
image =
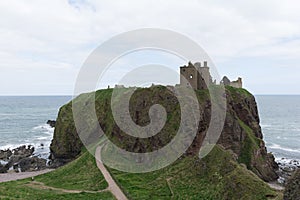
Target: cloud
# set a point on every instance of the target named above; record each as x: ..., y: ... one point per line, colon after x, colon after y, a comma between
x: 55, y: 37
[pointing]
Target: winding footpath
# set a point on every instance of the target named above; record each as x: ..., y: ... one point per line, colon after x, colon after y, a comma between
x: 17, y: 176
x: 112, y: 185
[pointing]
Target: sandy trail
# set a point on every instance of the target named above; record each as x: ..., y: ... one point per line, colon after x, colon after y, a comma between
x: 17, y: 176
x: 112, y: 185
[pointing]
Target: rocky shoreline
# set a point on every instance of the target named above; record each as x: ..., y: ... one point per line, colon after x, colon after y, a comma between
x: 286, y: 169
x: 21, y: 159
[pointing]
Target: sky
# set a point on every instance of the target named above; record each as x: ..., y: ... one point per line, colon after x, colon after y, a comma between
x: 43, y: 44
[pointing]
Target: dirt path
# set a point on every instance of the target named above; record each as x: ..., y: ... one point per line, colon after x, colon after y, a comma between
x: 276, y: 186
x: 112, y: 185
x: 40, y: 185
x: 17, y: 176
x: 169, y: 186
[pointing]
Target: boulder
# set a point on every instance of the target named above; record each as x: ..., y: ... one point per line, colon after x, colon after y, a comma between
x: 5, y: 154
x: 18, y: 154
x: 13, y: 160
x: 2, y: 169
x: 31, y: 164
x: 23, y: 151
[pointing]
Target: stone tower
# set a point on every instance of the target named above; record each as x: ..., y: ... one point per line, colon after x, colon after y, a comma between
x: 190, y: 75
x: 204, y: 71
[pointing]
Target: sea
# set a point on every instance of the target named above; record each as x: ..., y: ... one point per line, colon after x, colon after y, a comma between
x: 280, y: 122
x: 23, y: 122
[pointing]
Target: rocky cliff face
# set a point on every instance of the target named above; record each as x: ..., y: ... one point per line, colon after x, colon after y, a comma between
x: 241, y: 134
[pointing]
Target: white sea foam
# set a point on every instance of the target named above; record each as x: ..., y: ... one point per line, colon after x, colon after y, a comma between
x: 277, y: 146
x: 2, y: 162
x: 265, y: 125
x: 288, y: 161
x: 12, y: 146
x: 44, y: 128
x: 42, y: 138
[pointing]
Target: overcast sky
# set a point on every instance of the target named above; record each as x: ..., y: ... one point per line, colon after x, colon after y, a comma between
x: 44, y: 43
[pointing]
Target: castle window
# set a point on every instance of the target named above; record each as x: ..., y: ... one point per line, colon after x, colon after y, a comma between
x: 191, y: 76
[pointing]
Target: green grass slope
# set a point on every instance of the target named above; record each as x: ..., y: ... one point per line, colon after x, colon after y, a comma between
x: 80, y: 175
x: 217, y: 176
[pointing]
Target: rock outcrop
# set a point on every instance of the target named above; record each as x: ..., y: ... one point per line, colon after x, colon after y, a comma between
x: 5, y: 154
x: 2, y: 168
x: 51, y: 123
x: 241, y: 134
x: 21, y: 159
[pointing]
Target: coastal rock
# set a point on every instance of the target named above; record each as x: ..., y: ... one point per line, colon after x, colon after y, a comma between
x: 3, y: 169
x: 286, y: 169
x: 292, y: 189
x: 55, y: 163
x: 14, y: 156
x: 51, y: 123
x: 5, y: 154
x: 23, y: 151
x: 31, y: 164
x: 13, y: 160
x: 241, y: 135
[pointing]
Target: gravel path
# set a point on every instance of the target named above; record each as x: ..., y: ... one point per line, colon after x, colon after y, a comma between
x: 112, y: 185
x: 16, y: 176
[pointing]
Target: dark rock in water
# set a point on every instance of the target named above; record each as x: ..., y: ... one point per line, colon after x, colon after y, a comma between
x: 51, y: 123
x: 14, y: 156
x: 23, y: 151
x: 292, y: 189
x: 5, y: 154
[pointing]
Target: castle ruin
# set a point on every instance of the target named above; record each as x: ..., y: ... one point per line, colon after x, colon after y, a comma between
x: 199, y: 77
x: 237, y: 84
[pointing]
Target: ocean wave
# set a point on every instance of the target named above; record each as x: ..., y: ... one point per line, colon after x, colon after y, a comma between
x: 43, y: 138
x: 277, y: 146
x: 42, y: 127
x: 265, y: 125
x: 13, y: 146
x: 45, y: 128
x: 8, y: 114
